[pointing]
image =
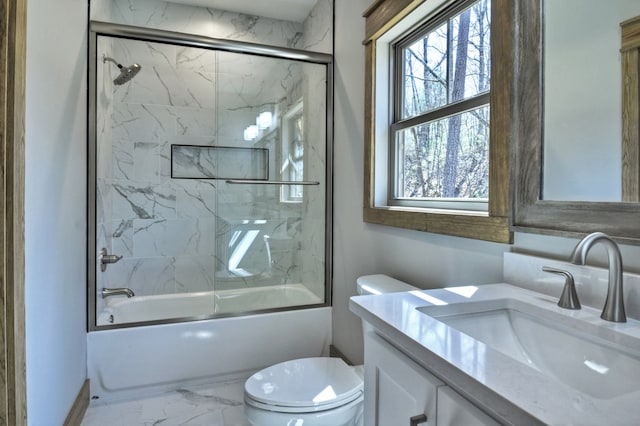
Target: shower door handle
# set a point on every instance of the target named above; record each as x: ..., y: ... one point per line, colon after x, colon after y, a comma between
x: 106, y: 259
x: 272, y: 182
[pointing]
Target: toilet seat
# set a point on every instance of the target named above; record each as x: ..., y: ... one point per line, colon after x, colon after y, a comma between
x: 304, y: 385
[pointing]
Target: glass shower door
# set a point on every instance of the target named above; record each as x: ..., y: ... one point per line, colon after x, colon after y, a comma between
x: 210, y: 182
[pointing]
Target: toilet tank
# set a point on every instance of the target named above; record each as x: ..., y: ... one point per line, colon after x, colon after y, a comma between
x: 379, y: 284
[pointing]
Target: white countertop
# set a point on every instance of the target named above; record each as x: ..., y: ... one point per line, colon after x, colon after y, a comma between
x: 510, y: 391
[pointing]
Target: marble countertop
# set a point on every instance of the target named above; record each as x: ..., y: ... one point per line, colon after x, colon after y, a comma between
x: 509, y: 390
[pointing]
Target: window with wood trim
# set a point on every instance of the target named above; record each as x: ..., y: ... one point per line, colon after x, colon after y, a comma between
x: 436, y: 156
x: 439, y: 140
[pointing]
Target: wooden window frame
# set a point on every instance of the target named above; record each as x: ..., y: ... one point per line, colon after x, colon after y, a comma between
x: 493, y: 225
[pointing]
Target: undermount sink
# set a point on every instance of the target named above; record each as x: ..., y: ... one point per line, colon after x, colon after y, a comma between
x: 585, y: 356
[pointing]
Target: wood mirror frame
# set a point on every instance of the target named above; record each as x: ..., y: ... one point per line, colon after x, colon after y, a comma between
x: 630, y: 58
x: 529, y: 213
x: 13, y: 385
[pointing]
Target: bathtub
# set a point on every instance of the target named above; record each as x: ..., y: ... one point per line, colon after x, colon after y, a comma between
x: 132, y: 362
x: 120, y: 309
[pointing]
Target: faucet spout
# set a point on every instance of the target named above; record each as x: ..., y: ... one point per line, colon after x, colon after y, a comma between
x: 614, y: 304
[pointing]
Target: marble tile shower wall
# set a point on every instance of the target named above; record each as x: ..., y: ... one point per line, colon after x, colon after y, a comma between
x: 318, y: 36
x: 104, y: 111
x: 166, y: 229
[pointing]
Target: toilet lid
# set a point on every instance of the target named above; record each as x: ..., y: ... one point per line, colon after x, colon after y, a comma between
x: 312, y: 384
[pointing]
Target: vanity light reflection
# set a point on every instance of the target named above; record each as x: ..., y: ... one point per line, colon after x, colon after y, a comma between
x: 264, y: 121
x: 598, y: 368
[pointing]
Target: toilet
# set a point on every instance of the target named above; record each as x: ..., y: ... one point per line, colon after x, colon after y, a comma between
x: 313, y: 391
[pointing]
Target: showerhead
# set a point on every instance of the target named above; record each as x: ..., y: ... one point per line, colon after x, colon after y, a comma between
x: 126, y: 73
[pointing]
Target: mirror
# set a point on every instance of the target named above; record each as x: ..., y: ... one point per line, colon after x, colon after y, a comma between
x: 582, y: 82
x: 553, y: 199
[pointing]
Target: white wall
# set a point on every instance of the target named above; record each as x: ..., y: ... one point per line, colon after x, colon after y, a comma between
x: 55, y: 207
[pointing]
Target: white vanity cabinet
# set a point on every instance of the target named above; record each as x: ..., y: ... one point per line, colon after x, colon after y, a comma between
x: 399, y: 392
x: 455, y: 410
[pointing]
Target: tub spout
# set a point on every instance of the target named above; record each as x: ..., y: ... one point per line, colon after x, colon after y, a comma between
x: 106, y: 292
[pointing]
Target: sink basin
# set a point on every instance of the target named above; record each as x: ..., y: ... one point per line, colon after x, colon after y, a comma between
x: 587, y: 357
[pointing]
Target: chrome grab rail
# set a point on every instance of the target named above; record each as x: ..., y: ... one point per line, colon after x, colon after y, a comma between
x: 271, y: 182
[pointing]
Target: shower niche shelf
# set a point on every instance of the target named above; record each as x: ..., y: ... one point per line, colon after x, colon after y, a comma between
x: 219, y: 162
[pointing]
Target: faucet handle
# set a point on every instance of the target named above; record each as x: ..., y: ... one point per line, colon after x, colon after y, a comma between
x: 106, y: 259
x: 569, y: 297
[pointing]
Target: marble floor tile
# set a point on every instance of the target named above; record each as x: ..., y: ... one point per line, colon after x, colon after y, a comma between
x: 208, y: 405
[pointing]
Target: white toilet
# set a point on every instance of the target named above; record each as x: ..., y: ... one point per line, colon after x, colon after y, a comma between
x: 313, y: 391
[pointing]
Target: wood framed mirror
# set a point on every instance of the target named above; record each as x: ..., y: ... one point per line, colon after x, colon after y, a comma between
x: 530, y: 212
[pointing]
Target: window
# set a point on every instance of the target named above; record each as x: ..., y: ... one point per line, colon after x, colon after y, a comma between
x: 292, y: 168
x: 440, y: 129
x: 436, y: 135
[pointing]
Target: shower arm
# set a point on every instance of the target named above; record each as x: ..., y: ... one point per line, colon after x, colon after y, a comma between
x: 106, y: 58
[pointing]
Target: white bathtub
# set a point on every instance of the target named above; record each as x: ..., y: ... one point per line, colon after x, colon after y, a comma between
x: 120, y: 309
x: 131, y: 362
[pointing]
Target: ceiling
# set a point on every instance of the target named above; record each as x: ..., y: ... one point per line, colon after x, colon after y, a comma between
x: 286, y: 10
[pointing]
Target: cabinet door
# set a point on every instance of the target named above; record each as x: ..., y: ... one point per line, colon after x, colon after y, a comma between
x: 455, y: 410
x: 397, y: 390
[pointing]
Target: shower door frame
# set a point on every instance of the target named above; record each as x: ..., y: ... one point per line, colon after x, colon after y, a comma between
x: 98, y: 28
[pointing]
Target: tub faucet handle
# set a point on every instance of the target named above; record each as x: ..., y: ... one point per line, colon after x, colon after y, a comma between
x: 106, y: 259
x: 569, y: 297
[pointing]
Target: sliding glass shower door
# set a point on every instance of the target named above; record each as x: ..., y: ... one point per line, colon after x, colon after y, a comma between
x: 209, y: 171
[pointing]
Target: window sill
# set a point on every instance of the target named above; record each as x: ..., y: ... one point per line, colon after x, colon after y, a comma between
x: 476, y: 225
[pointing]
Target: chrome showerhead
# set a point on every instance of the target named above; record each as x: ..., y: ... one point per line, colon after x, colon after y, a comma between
x: 126, y: 73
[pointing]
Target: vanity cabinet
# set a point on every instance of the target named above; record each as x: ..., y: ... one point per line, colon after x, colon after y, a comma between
x: 399, y: 392
x: 454, y: 410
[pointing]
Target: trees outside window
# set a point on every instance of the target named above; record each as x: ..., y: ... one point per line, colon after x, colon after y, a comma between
x: 440, y: 128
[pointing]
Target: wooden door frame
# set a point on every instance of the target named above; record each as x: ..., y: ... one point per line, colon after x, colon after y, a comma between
x: 13, y: 395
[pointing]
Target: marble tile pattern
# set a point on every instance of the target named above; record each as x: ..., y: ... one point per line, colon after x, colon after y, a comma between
x: 169, y: 231
x: 219, y: 162
x: 207, y: 405
x: 315, y: 33
x: 201, y: 21
x: 312, y: 236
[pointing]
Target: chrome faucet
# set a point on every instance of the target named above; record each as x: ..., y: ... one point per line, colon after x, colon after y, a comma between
x: 106, y: 292
x: 614, y: 304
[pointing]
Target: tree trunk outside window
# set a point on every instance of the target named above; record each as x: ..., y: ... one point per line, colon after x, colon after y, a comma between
x: 449, y: 189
